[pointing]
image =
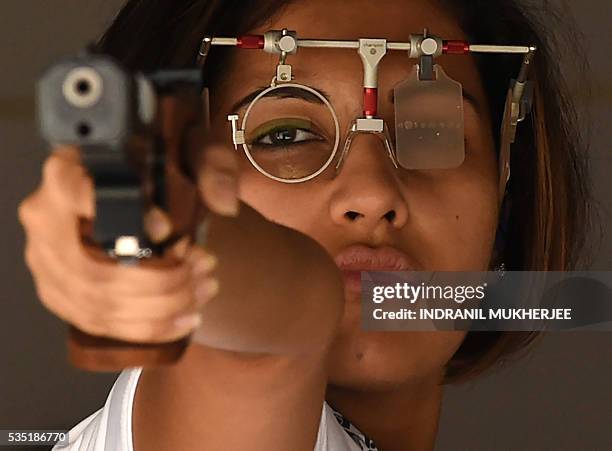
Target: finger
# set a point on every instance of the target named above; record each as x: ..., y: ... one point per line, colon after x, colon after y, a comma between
x: 103, y: 279
x: 197, y: 256
x: 128, y: 291
x: 67, y: 183
x: 157, y: 331
x: 218, y: 181
x: 201, y: 261
x: 137, y: 330
x: 56, y: 301
x: 179, y: 250
x: 157, y: 224
x: 187, y: 296
x: 35, y: 213
x: 77, y: 303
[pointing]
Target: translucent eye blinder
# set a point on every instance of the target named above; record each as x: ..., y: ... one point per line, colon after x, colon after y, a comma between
x: 290, y: 132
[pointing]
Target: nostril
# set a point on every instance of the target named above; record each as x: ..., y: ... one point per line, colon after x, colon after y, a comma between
x: 390, y: 216
x: 352, y: 215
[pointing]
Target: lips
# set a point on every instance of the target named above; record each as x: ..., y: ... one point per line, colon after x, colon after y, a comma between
x: 354, y: 259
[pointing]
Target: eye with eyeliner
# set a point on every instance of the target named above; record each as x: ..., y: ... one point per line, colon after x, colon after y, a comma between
x: 276, y: 133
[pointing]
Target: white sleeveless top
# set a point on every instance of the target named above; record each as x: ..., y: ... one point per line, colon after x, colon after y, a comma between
x: 110, y: 428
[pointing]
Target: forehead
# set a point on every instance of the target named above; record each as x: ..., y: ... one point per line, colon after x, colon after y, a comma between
x: 350, y: 19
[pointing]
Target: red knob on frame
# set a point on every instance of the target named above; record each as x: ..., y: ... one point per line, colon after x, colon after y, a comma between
x: 370, y: 101
x: 455, y: 47
x: 251, y: 41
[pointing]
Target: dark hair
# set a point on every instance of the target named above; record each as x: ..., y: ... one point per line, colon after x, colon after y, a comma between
x: 549, y: 194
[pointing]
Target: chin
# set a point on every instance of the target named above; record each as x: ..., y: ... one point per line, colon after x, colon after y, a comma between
x: 379, y: 361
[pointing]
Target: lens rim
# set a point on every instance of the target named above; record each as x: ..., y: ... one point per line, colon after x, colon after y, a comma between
x: 323, y: 100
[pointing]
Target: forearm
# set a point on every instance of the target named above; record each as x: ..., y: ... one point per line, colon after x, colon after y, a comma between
x: 280, y: 292
x: 230, y: 401
x: 267, y: 395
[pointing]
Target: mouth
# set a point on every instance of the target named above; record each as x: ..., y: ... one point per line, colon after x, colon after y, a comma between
x: 357, y: 258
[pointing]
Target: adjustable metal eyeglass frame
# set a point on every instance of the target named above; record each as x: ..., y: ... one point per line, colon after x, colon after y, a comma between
x: 424, y: 47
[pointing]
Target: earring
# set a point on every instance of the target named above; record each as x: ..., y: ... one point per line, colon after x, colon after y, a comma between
x: 500, y: 269
x: 501, y: 236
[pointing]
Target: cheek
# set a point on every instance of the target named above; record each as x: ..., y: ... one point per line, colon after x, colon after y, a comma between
x: 453, y: 215
x: 293, y: 205
x: 272, y: 199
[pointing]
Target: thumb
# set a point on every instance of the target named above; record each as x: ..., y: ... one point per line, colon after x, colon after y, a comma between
x: 218, y: 181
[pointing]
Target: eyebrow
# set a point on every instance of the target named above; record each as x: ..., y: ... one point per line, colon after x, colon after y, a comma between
x: 288, y: 92
x: 297, y: 93
x: 468, y: 97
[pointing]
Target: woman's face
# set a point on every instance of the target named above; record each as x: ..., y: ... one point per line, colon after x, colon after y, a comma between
x: 439, y: 219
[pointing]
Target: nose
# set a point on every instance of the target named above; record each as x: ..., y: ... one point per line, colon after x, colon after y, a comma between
x: 368, y: 190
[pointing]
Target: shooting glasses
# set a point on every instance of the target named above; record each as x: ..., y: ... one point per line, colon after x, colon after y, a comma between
x: 290, y: 132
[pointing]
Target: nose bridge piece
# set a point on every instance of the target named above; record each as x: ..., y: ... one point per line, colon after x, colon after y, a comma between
x: 370, y: 126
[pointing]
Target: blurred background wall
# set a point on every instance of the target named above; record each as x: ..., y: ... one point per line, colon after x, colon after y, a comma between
x: 559, y: 397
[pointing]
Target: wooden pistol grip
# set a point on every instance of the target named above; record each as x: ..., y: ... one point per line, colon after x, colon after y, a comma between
x: 101, y: 354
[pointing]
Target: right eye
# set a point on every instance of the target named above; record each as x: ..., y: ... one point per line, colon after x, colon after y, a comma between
x: 284, y: 133
x: 284, y: 136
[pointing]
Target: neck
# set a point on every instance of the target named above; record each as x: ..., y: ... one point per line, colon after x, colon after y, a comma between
x: 404, y: 418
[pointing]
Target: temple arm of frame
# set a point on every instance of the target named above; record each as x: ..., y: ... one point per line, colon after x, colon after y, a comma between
x: 519, y: 93
x: 499, y: 49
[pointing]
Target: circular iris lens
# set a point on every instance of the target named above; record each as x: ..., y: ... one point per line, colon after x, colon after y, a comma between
x: 291, y: 133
